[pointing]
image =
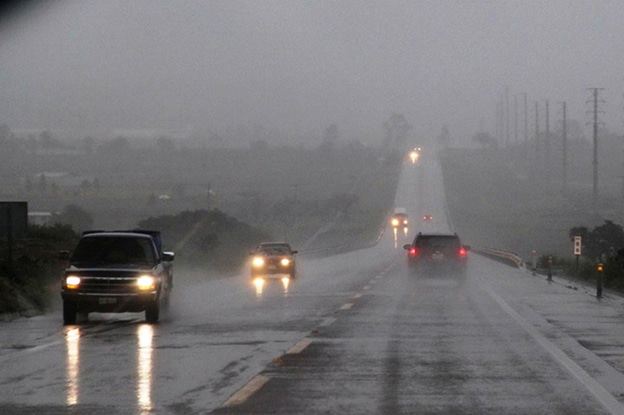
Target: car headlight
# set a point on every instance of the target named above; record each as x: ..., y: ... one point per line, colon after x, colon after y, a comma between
x: 72, y: 282
x: 257, y: 262
x: 146, y: 282
x: 285, y: 262
x: 395, y: 222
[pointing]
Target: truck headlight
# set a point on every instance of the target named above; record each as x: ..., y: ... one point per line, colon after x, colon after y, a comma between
x: 146, y: 282
x: 257, y: 262
x: 72, y: 282
x: 285, y: 262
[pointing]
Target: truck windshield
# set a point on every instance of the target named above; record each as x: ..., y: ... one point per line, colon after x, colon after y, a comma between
x: 115, y: 250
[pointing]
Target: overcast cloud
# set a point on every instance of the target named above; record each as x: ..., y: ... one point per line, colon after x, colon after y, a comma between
x: 298, y: 66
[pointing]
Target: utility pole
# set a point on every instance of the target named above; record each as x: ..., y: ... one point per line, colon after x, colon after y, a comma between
x: 498, y: 119
x: 547, y: 135
x: 526, y: 125
x: 595, y: 111
x: 507, y: 116
x: 564, y: 138
x: 622, y: 190
x: 515, y: 119
x: 536, y: 134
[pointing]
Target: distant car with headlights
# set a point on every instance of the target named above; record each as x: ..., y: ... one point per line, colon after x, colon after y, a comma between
x: 273, y: 260
x: 415, y: 154
x: 116, y: 272
x: 399, y: 218
x: 427, y: 218
x: 437, y: 253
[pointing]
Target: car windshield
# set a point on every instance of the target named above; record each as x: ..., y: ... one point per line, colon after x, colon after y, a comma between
x: 275, y: 250
x: 114, y: 250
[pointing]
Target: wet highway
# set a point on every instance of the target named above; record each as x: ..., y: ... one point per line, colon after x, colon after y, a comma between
x: 354, y: 334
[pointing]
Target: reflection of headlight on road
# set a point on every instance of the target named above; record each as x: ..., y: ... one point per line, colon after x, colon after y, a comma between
x: 285, y: 262
x: 257, y: 262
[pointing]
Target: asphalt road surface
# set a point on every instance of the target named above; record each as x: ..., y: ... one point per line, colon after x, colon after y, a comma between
x: 354, y: 334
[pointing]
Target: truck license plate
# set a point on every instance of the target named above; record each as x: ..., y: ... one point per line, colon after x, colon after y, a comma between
x: 108, y: 300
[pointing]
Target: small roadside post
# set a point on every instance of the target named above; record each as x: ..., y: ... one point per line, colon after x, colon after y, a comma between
x: 550, y: 260
x: 533, y: 261
x: 599, y: 269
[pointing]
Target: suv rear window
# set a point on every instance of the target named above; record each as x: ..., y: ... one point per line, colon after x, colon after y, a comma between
x: 437, y: 241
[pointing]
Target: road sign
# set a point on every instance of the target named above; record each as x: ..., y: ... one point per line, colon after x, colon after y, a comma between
x: 13, y: 219
x: 577, y: 245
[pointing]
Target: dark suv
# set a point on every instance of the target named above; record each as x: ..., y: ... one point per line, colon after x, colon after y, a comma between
x: 115, y: 272
x: 437, y: 252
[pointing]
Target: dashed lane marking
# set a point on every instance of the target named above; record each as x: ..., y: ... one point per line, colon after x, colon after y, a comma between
x: 328, y: 322
x: 246, y: 391
x: 300, y: 346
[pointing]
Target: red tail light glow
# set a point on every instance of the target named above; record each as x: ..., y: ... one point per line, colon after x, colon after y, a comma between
x: 413, y: 251
x: 463, y: 252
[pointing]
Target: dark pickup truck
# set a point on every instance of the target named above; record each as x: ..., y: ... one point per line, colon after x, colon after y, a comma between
x: 116, y: 272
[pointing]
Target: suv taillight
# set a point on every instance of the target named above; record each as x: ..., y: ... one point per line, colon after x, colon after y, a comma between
x: 463, y: 252
x: 413, y: 251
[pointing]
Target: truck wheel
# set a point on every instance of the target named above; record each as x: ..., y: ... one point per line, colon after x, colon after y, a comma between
x: 152, y: 312
x: 69, y: 312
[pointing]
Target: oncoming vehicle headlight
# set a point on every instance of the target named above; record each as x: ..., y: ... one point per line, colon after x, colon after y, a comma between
x: 146, y: 282
x: 72, y: 282
x: 285, y: 262
x: 257, y: 262
x: 395, y: 222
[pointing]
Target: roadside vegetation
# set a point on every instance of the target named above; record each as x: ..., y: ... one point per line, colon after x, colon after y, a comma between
x: 501, y: 198
x: 212, y: 206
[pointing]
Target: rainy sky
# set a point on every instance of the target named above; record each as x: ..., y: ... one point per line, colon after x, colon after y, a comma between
x: 292, y: 68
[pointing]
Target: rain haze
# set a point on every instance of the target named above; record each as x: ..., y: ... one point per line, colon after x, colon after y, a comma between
x: 371, y: 205
x: 283, y: 71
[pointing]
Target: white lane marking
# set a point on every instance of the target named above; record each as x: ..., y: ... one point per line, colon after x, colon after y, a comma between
x: 327, y: 322
x: 346, y: 306
x: 246, y: 391
x: 356, y: 296
x: 604, y: 396
x: 366, y: 287
x: 300, y: 346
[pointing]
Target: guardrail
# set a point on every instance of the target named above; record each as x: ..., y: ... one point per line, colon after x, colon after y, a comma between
x: 508, y: 258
